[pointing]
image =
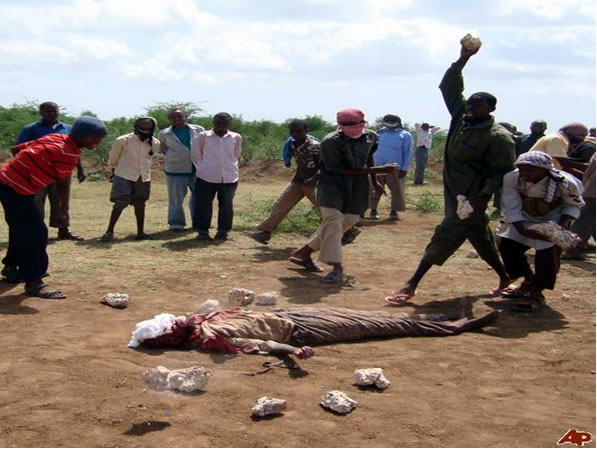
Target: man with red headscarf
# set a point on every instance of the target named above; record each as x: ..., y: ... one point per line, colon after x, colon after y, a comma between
x: 343, y: 190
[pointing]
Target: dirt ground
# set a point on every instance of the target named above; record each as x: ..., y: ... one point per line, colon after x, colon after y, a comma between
x: 68, y: 378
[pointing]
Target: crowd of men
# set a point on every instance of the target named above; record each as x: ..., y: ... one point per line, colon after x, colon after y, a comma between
x: 535, y: 178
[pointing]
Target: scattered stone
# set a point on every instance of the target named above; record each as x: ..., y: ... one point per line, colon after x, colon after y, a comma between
x: 240, y: 297
x: 186, y: 380
x: 268, y: 406
x: 470, y: 42
x: 116, y: 300
x: 565, y: 239
x: 267, y: 299
x: 209, y: 306
x: 472, y: 254
x: 371, y: 376
x: 566, y: 297
x: 338, y: 401
x: 464, y: 208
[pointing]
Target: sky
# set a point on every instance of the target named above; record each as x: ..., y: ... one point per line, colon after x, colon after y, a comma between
x: 277, y: 59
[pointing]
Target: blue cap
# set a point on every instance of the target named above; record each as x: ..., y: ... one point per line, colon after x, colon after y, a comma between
x: 86, y: 126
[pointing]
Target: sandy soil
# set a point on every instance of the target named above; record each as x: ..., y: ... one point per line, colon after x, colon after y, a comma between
x: 68, y: 378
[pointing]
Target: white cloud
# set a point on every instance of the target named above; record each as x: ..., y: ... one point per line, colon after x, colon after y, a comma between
x: 550, y: 9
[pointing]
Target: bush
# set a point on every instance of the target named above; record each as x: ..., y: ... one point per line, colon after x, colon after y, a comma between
x: 428, y: 202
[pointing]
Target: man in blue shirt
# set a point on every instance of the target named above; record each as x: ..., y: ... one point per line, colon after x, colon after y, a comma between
x: 176, y: 143
x: 395, y: 146
x: 50, y: 124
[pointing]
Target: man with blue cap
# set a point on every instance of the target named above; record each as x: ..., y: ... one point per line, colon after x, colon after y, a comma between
x: 37, y: 164
x: 50, y: 124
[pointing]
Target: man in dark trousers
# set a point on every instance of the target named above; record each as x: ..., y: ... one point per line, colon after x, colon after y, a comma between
x: 37, y: 164
x: 479, y: 152
x: 50, y: 124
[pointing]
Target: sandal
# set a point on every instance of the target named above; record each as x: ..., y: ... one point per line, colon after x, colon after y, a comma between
x: 333, y: 277
x: 530, y: 304
x: 515, y: 292
x: 399, y: 299
x: 308, y: 265
x: 107, y: 237
x: 42, y: 291
x: 143, y: 236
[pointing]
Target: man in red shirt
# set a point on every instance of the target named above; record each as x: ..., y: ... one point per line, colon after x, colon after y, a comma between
x: 37, y: 164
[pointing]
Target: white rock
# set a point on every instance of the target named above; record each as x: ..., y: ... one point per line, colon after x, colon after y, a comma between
x: 464, y: 208
x: 371, y: 376
x: 267, y: 299
x: 471, y: 43
x: 209, y: 306
x: 338, y: 402
x: 117, y: 300
x: 268, y: 406
x: 190, y: 379
x: 566, y: 297
x: 158, y: 325
x: 240, y: 297
x: 565, y: 239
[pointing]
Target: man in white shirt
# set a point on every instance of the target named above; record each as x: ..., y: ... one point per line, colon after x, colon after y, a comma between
x: 535, y: 192
x: 130, y: 159
x: 215, y: 155
x: 424, y: 133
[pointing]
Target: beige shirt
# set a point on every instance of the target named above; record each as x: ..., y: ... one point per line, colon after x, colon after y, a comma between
x: 556, y: 145
x: 216, y: 158
x: 130, y: 157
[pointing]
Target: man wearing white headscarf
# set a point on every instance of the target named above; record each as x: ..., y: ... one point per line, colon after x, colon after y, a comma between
x: 130, y: 160
x: 535, y: 192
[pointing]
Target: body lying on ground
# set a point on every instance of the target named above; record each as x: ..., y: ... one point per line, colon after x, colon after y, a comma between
x: 294, y: 330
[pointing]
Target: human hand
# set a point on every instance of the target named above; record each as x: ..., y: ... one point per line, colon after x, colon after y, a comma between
x: 401, y: 174
x: 81, y: 176
x: 304, y: 352
x: 379, y: 190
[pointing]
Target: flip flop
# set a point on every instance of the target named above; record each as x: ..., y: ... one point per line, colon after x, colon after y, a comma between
x: 531, y: 304
x: 107, y: 237
x: 515, y: 292
x: 398, y: 299
x: 39, y: 291
x: 308, y: 265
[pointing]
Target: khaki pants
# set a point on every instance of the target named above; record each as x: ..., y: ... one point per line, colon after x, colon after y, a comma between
x: 397, y: 188
x: 328, y: 237
x: 290, y: 197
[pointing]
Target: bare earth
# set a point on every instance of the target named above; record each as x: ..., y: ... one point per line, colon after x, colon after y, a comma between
x: 68, y: 378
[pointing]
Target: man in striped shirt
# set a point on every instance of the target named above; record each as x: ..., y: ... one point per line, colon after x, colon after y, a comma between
x: 37, y: 164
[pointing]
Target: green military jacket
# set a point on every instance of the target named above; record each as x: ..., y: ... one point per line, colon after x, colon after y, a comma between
x: 347, y: 193
x: 476, y: 157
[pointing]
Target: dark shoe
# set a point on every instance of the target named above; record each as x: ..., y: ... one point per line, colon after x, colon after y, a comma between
x: 143, y: 237
x: 373, y: 215
x: 69, y: 236
x: 11, y: 276
x: 203, y: 238
x: 107, y: 237
x: 222, y: 236
x: 394, y: 216
x: 350, y: 235
x: 262, y: 237
x: 177, y: 230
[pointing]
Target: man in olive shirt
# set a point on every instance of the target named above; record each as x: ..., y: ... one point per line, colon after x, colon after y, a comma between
x: 343, y: 190
x: 479, y: 152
